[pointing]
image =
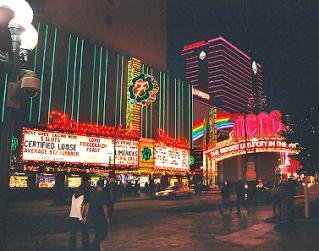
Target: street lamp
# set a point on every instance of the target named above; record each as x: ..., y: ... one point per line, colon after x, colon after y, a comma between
x: 18, y: 17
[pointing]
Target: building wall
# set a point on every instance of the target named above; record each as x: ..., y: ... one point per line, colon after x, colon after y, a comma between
x: 88, y: 82
x: 135, y: 27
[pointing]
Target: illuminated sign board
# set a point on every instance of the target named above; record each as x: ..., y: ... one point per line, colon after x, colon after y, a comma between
x: 49, y: 146
x: 146, y: 153
x: 171, y: 157
x: 261, y: 124
x: 231, y: 149
x: 200, y: 94
x: 126, y: 152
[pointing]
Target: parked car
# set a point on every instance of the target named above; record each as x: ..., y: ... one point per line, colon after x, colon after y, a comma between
x: 174, y: 192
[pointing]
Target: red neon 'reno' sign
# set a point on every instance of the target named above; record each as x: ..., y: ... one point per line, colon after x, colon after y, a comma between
x: 258, y: 125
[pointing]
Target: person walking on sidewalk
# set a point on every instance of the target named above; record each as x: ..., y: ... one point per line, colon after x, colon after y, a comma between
x: 241, y: 196
x: 98, y: 215
x: 225, y: 194
x: 78, y: 217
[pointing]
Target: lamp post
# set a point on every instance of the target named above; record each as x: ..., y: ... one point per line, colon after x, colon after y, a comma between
x: 24, y: 38
x: 254, y: 142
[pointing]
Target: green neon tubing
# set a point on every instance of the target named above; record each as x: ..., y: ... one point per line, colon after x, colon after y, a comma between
x: 4, y: 97
x: 67, y: 74
x: 121, y: 93
x: 105, y: 83
x: 52, y: 71
x: 93, y: 84
x: 42, y: 73
x: 175, y: 107
x: 74, y: 74
x: 34, y: 69
x: 160, y: 100
x: 116, y: 89
x: 80, y: 82
x: 99, y: 89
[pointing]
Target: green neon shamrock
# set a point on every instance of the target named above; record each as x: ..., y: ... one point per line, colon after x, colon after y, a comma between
x: 146, y: 153
x: 14, y: 143
x: 192, y: 160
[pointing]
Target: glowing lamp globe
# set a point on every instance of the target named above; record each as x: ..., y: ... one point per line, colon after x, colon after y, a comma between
x: 23, y: 13
x: 29, y: 38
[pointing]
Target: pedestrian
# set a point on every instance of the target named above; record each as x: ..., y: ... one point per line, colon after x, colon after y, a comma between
x: 275, y: 198
x: 225, y: 196
x: 98, y: 215
x: 146, y: 187
x: 111, y: 195
x: 241, y: 196
x: 78, y: 217
x: 290, y: 190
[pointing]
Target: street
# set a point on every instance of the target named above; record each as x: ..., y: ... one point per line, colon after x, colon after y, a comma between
x: 142, y: 224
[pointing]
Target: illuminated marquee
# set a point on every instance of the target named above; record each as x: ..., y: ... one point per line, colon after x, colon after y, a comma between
x: 258, y: 125
x: 228, y: 149
x: 200, y: 94
x: 47, y: 146
x: 171, y: 157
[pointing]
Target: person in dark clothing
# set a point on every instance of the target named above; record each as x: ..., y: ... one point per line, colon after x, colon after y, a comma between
x: 290, y: 191
x: 78, y: 217
x: 98, y: 213
x: 225, y: 193
x: 111, y: 196
x: 241, y: 196
x: 276, y: 200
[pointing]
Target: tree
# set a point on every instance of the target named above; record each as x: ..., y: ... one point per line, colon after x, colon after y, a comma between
x: 302, y: 121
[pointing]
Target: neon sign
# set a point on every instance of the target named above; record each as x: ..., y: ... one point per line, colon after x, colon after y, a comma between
x: 200, y: 94
x: 60, y: 121
x: 230, y: 149
x: 257, y: 125
x: 143, y: 90
x: 168, y: 141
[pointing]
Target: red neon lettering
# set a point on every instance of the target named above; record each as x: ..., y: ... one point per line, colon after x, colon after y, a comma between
x: 263, y: 123
x: 139, y: 87
x: 275, y: 121
x: 251, y: 124
x: 239, y: 130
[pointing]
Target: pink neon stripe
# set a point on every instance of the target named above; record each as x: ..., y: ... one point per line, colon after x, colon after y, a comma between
x: 222, y: 75
x: 217, y: 54
x: 234, y: 110
x: 192, y: 67
x: 192, y: 62
x: 187, y: 52
x: 243, y: 97
x: 231, y: 104
x: 192, y: 76
x: 248, y: 83
x: 190, y: 72
x: 194, y: 45
x: 191, y: 81
x: 228, y: 64
x: 231, y: 45
x: 229, y: 49
x: 191, y: 57
x: 235, y: 100
x: 213, y: 85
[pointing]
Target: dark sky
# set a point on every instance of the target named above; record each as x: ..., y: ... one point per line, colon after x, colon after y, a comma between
x: 282, y: 35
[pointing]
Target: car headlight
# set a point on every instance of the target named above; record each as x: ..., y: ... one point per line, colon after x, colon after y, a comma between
x: 156, y: 193
x: 165, y: 193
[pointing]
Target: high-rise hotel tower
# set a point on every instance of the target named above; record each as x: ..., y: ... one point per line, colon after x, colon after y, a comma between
x: 231, y: 77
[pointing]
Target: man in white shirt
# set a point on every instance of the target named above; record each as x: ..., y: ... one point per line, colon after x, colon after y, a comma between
x: 78, y: 218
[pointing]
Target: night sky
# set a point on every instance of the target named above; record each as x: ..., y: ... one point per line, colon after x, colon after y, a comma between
x: 282, y: 35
